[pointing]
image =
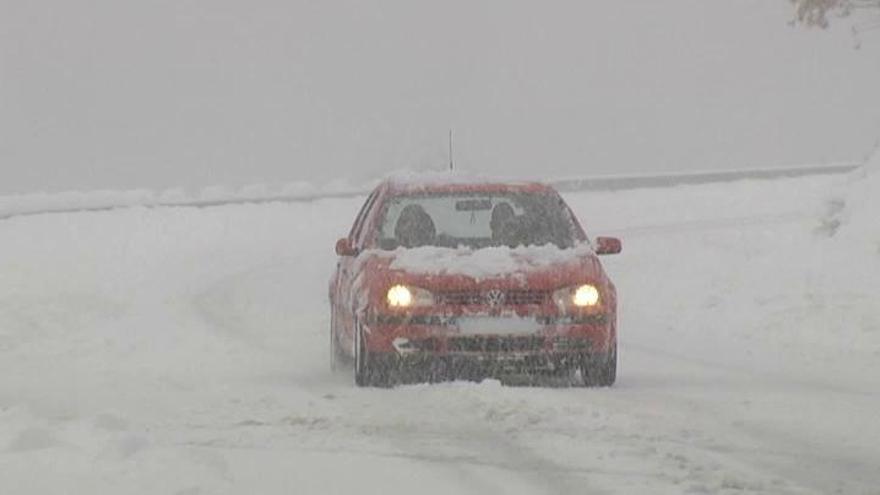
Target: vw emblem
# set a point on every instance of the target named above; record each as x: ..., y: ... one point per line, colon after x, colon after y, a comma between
x: 495, y: 297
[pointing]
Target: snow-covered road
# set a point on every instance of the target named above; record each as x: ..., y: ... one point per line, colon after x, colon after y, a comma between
x: 184, y: 351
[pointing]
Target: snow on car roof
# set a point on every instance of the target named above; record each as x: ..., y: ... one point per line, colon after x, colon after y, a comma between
x: 450, y: 181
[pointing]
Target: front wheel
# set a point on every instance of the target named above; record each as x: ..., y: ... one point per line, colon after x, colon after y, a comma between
x: 367, y: 369
x: 336, y: 356
x: 601, y: 372
x: 361, y: 370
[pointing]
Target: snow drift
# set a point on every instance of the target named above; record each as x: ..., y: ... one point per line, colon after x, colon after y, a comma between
x: 861, y: 215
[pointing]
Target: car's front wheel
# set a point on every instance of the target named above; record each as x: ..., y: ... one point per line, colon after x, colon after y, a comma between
x: 336, y: 355
x: 601, y: 371
x: 367, y: 369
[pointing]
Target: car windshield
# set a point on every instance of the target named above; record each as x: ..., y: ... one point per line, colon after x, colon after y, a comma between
x: 476, y: 221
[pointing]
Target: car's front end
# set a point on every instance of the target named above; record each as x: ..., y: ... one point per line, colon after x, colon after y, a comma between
x: 550, y: 321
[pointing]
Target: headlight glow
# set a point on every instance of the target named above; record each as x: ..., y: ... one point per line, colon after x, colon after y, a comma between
x: 399, y: 297
x: 585, y: 295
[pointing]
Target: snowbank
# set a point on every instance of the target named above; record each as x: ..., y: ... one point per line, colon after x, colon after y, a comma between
x: 71, y: 201
x: 37, y: 202
x: 861, y: 215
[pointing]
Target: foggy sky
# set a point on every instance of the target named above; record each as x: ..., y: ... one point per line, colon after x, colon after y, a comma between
x: 163, y: 93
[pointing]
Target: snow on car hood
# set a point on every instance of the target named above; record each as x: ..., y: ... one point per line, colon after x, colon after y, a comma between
x: 486, y: 262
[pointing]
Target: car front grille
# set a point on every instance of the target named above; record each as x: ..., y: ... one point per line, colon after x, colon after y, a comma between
x: 500, y: 344
x: 517, y: 297
x: 495, y: 343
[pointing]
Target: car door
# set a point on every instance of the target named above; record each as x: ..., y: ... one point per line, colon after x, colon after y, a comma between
x: 341, y: 289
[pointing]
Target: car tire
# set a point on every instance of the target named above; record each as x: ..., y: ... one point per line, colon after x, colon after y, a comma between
x: 361, y: 374
x: 600, y: 372
x: 335, y: 352
x: 368, y: 370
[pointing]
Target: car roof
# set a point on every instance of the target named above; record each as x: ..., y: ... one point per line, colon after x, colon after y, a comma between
x: 438, y: 183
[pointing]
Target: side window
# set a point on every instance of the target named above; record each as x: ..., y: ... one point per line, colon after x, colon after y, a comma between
x: 359, y: 222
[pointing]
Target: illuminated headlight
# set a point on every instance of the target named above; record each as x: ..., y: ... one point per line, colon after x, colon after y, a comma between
x: 401, y: 296
x: 585, y: 295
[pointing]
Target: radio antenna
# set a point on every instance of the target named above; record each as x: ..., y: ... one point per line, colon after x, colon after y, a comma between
x: 451, y: 160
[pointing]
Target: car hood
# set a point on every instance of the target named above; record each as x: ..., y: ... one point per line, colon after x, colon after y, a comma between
x: 533, y: 267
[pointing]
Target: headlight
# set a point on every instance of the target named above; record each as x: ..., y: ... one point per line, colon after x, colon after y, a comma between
x: 401, y: 296
x: 585, y: 295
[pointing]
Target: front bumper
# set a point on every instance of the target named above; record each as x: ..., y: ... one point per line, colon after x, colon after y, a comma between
x: 476, y: 347
x: 418, y: 368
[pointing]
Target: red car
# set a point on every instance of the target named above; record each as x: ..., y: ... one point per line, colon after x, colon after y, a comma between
x: 446, y: 279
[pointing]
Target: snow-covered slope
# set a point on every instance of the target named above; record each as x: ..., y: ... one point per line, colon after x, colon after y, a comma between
x: 861, y: 220
x: 852, y: 222
x: 184, y: 351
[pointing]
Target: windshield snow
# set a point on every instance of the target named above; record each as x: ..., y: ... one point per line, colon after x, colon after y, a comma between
x: 476, y: 221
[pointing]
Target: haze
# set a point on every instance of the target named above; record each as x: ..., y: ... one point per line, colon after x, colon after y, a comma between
x: 120, y: 95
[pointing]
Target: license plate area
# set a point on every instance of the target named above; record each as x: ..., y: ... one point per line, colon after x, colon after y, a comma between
x: 497, y: 326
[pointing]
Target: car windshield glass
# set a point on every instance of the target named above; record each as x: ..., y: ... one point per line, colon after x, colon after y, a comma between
x: 476, y: 221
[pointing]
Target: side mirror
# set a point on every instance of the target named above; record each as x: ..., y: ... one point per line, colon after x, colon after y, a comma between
x: 608, y: 245
x: 344, y: 247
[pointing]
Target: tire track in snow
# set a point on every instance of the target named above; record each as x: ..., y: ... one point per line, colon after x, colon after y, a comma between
x: 486, y: 447
x: 790, y: 450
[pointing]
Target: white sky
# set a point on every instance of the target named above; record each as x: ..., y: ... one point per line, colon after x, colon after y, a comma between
x: 163, y: 93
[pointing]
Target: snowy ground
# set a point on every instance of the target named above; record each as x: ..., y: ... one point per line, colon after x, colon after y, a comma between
x: 184, y: 351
